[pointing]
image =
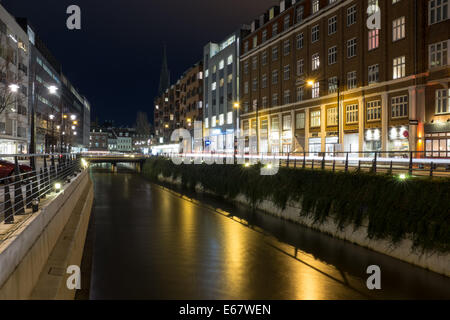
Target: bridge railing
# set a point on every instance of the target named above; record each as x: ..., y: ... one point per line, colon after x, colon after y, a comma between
x: 410, y: 163
x: 25, y: 180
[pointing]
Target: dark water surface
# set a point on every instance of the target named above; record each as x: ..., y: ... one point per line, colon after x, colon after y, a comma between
x: 150, y: 243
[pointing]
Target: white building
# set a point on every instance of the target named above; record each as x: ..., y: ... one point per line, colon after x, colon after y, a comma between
x: 14, y: 91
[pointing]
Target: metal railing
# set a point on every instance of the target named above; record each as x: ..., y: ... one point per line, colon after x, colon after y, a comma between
x: 390, y: 162
x: 22, y: 190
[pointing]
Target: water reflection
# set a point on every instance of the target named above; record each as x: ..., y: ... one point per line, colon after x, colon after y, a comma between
x: 152, y: 244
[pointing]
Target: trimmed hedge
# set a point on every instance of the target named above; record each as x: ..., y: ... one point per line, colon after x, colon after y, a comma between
x: 394, y: 209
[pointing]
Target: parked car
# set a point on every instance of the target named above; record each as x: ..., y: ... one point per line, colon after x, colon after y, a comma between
x: 7, y: 170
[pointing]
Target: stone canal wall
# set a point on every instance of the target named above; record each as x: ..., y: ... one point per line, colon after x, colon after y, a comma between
x: 405, y: 248
x: 34, y: 260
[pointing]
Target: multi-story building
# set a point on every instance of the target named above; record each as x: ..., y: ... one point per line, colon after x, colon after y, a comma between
x: 75, y: 113
x: 14, y: 82
x: 316, y: 78
x: 180, y: 105
x: 98, y: 139
x: 44, y: 81
x: 221, y: 91
x: 191, y: 99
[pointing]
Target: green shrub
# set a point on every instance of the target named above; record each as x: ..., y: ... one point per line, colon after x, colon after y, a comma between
x: 394, y: 209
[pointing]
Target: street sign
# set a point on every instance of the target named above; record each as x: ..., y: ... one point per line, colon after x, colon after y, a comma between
x: 414, y: 122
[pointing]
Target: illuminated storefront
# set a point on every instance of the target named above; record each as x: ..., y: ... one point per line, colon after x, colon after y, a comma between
x: 398, y: 139
x: 372, y: 140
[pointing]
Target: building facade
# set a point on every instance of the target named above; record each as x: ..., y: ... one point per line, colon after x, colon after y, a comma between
x: 14, y: 85
x: 221, y: 92
x: 315, y: 78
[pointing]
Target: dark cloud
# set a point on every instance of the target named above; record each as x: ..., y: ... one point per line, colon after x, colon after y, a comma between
x: 115, y: 59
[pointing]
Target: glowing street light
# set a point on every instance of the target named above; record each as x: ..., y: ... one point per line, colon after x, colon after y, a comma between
x: 51, y: 117
x: 73, y: 117
x: 52, y: 89
x: 14, y: 87
x: 311, y: 83
x: 236, y: 105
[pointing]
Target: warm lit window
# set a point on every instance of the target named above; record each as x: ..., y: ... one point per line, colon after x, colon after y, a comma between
x: 374, y: 39
x: 442, y: 101
x: 351, y: 114
x: 315, y: 90
x: 399, y: 68
x: 438, y: 54
x: 332, y: 117
x: 315, y: 119
x: 315, y: 61
x: 374, y: 110
x: 399, y: 107
x: 300, y: 121
x: 398, y: 29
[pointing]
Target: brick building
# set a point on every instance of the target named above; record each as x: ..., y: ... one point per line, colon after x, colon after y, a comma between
x: 302, y: 57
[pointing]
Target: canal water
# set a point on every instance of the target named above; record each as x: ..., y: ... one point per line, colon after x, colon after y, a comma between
x: 149, y: 242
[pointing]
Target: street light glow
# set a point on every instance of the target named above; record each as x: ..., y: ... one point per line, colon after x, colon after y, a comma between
x: 52, y: 89
x: 14, y: 87
x: 236, y: 105
x: 311, y: 83
x: 51, y: 117
x: 73, y: 117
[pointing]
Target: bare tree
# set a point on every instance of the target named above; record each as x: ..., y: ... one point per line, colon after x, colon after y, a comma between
x: 11, y: 84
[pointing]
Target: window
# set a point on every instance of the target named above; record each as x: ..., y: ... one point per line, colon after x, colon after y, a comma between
x: 351, y: 48
x: 332, y: 85
x: 374, y: 39
x: 315, y: 61
x: 437, y: 11
x: 374, y: 110
x: 287, y: 47
x: 221, y: 119
x: 332, y: 55
x: 274, y: 76
x: 254, y: 63
x: 442, y: 101
x: 264, y: 35
x: 332, y: 117
x: 274, y: 29
x: 264, y: 58
x: 287, y: 21
x: 287, y: 97
x: 246, y: 67
x: 300, y: 121
x: 315, y: 119
x: 315, y: 90
x: 300, y: 65
x: 230, y: 117
x: 287, y: 72
x: 213, y: 121
x: 213, y: 86
x: 264, y: 81
x: 264, y: 102
x: 438, y: 54
x: 398, y: 29
x: 332, y: 25
x: 374, y: 73
x: 299, y: 41
x: 255, y: 41
x: 315, y: 6
x: 399, y: 68
x: 351, y: 114
x: 299, y: 14
x: 274, y: 53
x: 246, y: 46
x: 399, y: 107
x: 230, y: 60
x: 255, y: 84
x: 275, y: 100
x: 221, y: 64
x: 300, y: 94
x: 351, y: 80
x: 246, y: 87
x: 351, y: 15
x: 315, y: 33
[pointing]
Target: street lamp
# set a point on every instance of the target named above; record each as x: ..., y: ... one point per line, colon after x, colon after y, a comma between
x: 52, y: 89
x: 14, y: 87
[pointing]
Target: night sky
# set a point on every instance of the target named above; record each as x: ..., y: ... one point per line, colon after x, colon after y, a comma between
x: 115, y: 59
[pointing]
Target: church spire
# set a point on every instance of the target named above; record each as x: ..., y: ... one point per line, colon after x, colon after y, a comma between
x: 164, y: 80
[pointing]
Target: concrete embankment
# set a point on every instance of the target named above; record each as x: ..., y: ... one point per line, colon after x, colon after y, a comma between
x: 35, y: 258
x: 403, y: 250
